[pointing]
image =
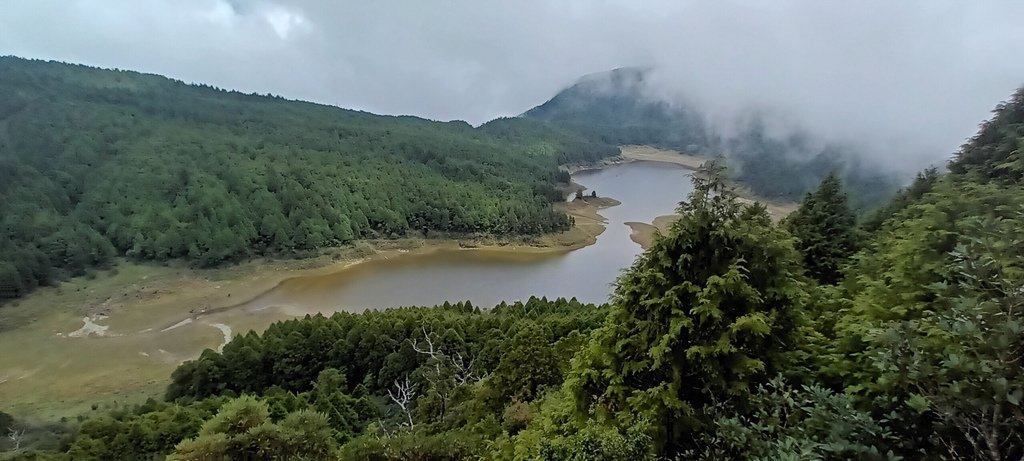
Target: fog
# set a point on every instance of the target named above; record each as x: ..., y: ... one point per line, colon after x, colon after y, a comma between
x: 909, y: 79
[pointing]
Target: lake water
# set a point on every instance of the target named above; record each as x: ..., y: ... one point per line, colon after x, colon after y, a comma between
x: 646, y: 189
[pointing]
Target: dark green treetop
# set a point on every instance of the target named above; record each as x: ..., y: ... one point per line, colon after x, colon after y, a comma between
x: 825, y: 230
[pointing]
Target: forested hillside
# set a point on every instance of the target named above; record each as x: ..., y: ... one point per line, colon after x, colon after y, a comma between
x: 614, y: 107
x: 97, y: 163
x: 731, y: 337
x: 619, y: 107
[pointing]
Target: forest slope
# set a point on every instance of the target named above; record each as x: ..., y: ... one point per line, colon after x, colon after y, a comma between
x: 96, y: 163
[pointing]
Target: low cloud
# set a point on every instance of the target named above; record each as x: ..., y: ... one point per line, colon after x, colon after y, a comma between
x: 910, y: 79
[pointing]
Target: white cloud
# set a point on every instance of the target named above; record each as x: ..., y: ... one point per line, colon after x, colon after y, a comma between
x: 913, y: 78
x: 283, y: 20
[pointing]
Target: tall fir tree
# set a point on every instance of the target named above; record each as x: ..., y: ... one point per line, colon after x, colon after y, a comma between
x: 825, y: 231
x: 702, y: 317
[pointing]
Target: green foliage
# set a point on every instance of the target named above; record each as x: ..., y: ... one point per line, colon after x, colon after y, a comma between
x: 996, y: 153
x: 701, y: 317
x: 242, y: 429
x: 922, y: 184
x: 347, y: 414
x: 809, y: 423
x: 960, y: 359
x: 565, y: 146
x: 448, y: 446
x: 824, y: 227
x: 904, y: 276
x: 527, y: 365
x: 929, y: 329
x: 373, y: 349
x: 96, y: 163
x: 149, y: 430
x: 556, y: 433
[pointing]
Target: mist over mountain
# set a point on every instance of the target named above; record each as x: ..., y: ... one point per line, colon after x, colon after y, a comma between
x: 765, y: 149
x: 615, y: 107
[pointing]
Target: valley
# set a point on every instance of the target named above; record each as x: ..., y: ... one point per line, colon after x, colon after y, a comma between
x: 146, y: 319
x: 189, y: 273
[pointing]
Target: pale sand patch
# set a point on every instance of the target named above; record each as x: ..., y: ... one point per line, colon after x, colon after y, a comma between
x: 644, y: 233
x: 653, y: 154
x: 90, y: 328
x: 176, y: 325
x: 226, y: 331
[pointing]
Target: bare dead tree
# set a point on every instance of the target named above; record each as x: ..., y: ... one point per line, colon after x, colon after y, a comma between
x: 403, y: 396
x: 462, y: 369
x: 384, y: 429
x: 464, y: 372
x: 16, y: 436
x: 430, y: 350
x: 446, y: 372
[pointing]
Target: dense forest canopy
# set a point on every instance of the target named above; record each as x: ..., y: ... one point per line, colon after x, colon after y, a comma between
x: 722, y: 341
x: 98, y: 163
x: 618, y: 107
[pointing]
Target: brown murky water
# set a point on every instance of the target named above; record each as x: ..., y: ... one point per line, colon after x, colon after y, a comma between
x: 646, y: 190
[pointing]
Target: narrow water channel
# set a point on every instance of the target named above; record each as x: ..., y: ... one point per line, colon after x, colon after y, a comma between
x: 646, y: 190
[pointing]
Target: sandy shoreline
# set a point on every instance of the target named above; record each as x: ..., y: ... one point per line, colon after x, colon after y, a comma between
x: 644, y: 233
x: 778, y: 209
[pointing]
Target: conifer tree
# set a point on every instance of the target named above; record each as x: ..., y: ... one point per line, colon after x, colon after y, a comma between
x: 702, y: 317
x: 825, y: 231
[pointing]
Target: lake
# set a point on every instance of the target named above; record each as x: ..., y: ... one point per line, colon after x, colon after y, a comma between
x: 487, y: 277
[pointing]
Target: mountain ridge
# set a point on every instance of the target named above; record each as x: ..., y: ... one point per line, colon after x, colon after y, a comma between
x: 617, y: 107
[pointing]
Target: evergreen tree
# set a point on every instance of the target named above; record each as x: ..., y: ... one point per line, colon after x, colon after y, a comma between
x: 242, y: 429
x: 702, y: 317
x: 825, y: 231
x: 527, y: 365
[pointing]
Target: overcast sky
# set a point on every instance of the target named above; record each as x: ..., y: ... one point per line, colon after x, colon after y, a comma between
x: 918, y: 75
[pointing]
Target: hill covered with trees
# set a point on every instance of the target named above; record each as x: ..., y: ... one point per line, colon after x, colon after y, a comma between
x: 98, y: 163
x: 614, y: 107
x: 620, y: 107
x: 722, y: 341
